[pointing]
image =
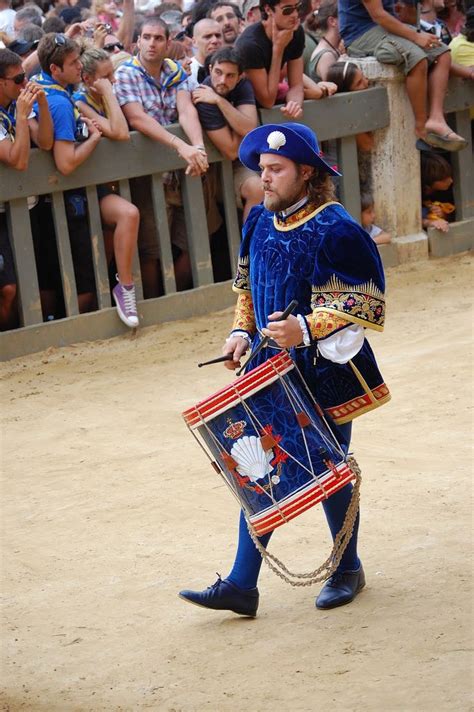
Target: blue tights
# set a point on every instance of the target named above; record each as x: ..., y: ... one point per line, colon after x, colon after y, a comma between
x: 248, y: 560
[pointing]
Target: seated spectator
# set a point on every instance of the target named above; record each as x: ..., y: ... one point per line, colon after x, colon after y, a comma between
x: 266, y: 46
x: 229, y: 18
x: 436, y: 182
x: 369, y: 27
x: 7, y: 17
x: 367, y: 220
x: 429, y: 20
x: 207, y: 38
x: 19, y: 124
x: 97, y: 101
x: 226, y: 106
x: 327, y: 51
x: 406, y: 12
x: 251, y: 12
x: 154, y: 92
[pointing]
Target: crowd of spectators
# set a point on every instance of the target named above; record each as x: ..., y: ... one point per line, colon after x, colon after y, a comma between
x: 72, y: 71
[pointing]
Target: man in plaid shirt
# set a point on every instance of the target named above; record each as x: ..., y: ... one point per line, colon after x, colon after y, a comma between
x: 155, y: 92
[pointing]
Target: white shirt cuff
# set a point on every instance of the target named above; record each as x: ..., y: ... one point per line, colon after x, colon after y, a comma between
x: 304, y: 329
x: 343, y: 345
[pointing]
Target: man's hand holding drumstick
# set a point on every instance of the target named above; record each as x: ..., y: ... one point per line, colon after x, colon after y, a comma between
x: 286, y: 333
x: 235, y: 346
x: 282, y: 327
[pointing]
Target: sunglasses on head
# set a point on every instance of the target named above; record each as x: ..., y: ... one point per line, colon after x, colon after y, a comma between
x: 290, y: 9
x: 18, y: 78
x: 60, y: 40
x: 113, y: 46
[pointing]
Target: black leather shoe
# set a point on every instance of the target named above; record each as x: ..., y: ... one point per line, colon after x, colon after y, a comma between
x: 225, y: 596
x: 341, y: 588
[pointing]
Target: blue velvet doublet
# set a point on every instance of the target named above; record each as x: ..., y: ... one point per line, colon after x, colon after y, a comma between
x: 322, y: 258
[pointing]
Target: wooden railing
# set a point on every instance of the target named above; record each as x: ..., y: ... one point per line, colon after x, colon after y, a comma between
x: 339, y: 118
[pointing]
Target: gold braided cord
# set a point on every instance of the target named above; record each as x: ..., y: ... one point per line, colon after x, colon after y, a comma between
x: 244, y: 317
x: 341, y: 541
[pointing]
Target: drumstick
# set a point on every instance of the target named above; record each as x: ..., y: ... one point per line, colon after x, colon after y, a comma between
x: 219, y: 359
x: 291, y: 307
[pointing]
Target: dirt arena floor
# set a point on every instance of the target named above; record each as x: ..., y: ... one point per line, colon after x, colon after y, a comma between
x: 109, y: 508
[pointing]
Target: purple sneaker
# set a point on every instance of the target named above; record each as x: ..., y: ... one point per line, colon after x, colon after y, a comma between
x: 126, y: 303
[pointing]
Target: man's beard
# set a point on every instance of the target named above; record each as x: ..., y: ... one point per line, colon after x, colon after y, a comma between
x: 276, y: 202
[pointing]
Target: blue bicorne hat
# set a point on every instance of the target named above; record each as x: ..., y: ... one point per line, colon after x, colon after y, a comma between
x: 294, y: 141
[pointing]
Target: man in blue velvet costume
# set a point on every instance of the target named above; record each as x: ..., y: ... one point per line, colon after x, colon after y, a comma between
x: 301, y: 244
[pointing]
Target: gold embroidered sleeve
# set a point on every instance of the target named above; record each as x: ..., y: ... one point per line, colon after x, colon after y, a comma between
x: 323, y: 324
x: 362, y: 304
x: 242, y: 278
x: 244, y: 314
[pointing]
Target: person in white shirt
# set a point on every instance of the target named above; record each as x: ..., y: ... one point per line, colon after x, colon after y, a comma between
x: 7, y: 17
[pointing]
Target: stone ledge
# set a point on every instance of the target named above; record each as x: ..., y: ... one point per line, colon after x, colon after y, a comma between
x: 389, y: 255
x: 460, y: 238
x: 412, y: 248
x: 375, y: 71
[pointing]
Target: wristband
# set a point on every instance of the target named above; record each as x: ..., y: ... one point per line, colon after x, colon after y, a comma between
x: 243, y: 334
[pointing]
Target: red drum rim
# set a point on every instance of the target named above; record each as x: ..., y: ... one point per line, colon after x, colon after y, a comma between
x: 241, y: 388
x: 298, y: 502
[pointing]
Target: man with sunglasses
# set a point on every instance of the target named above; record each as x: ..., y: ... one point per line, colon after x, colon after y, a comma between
x: 266, y: 47
x: 116, y: 50
x: 19, y: 124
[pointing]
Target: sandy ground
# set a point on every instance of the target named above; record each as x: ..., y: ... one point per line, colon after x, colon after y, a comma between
x: 109, y: 508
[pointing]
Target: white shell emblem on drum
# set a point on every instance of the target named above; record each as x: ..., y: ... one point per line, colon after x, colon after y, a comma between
x: 276, y: 139
x: 252, y: 460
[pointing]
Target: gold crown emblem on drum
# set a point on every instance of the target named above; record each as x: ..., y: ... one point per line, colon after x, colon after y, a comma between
x: 235, y: 430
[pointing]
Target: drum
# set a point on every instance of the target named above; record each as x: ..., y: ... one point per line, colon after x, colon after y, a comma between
x: 268, y: 438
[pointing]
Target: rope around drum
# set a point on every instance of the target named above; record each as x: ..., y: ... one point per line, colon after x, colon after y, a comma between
x: 341, y: 540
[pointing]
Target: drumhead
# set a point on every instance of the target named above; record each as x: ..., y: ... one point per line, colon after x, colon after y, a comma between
x: 240, y: 389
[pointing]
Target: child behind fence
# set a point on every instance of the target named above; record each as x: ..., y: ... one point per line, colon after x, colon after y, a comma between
x: 436, y: 182
x: 367, y: 211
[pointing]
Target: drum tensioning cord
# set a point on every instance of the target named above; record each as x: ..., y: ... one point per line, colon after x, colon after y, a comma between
x: 341, y: 540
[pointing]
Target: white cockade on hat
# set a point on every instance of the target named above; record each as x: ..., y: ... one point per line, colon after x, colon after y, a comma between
x: 276, y: 139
